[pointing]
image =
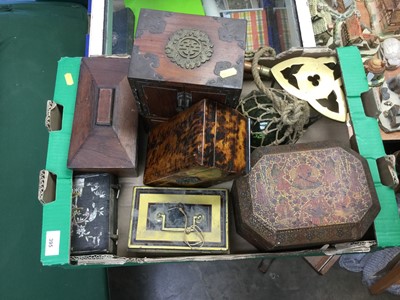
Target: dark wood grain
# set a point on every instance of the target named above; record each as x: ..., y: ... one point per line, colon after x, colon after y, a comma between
x: 104, y: 131
x: 392, y: 277
x: 156, y: 80
x: 105, y: 107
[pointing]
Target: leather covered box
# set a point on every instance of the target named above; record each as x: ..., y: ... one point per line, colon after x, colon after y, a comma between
x: 180, y: 59
x: 304, y: 195
x: 105, y: 125
x: 175, y: 220
x: 206, y: 144
x: 94, y: 214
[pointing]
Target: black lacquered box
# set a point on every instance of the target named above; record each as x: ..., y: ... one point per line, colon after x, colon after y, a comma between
x: 94, y: 214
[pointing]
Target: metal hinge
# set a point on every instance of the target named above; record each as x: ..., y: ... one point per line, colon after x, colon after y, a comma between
x: 184, y: 100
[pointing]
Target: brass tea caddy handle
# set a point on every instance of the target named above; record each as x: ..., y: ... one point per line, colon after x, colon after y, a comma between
x: 186, y: 230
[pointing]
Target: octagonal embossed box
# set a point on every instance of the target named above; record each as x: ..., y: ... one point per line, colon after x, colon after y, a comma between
x: 304, y: 195
x: 179, y: 59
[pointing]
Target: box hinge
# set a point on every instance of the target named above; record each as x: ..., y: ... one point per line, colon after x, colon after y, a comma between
x: 184, y: 100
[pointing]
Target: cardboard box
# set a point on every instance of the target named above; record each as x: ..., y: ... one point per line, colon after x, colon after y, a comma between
x: 56, y: 181
x: 369, y: 144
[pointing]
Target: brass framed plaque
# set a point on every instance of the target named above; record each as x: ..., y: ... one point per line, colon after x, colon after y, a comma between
x: 179, y: 220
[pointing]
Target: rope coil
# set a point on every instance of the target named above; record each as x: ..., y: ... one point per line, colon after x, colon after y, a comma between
x: 280, y: 116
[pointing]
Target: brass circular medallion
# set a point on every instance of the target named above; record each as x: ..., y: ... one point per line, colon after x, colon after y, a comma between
x: 189, y: 48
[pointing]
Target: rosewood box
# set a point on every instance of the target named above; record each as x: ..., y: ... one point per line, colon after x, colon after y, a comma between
x: 174, y: 220
x: 206, y: 144
x: 104, y: 130
x: 94, y: 214
x: 304, y: 195
x: 180, y: 59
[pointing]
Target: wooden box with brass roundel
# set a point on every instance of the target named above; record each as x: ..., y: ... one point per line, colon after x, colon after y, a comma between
x: 179, y: 59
